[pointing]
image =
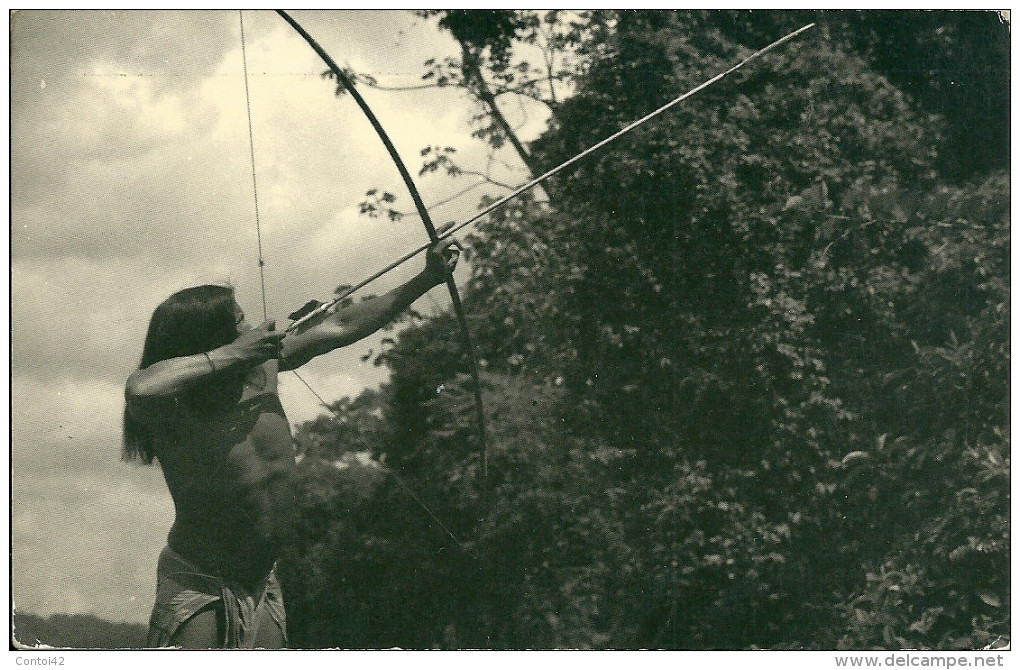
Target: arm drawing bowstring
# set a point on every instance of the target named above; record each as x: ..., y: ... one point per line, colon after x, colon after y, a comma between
x: 265, y: 311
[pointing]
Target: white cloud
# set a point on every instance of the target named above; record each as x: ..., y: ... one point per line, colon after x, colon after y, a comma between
x: 88, y: 543
x: 86, y: 526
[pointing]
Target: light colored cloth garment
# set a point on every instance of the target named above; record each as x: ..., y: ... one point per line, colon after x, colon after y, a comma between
x: 182, y: 590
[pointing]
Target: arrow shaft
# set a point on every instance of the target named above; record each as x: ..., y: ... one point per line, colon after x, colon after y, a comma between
x: 534, y: 182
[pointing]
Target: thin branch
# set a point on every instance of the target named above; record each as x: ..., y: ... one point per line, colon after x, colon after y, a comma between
x: 453, y: 197
x: 371, y: 83
x: 524, y: 115
x: 548, y: 55
x: 530, y: 82
x: 493, y: 160
x: 488, y: 179
x: 456, y: 195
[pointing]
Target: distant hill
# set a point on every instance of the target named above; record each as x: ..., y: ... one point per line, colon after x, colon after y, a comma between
x: 76, y: 631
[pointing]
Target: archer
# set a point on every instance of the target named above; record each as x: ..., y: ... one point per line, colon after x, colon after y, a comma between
x: 204, y: 403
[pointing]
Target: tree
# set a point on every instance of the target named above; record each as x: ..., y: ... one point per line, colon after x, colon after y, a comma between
x: 722, y: 372
x: 494, y: 74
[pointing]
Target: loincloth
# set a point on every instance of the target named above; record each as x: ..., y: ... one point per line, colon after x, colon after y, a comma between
x: 182, y: 590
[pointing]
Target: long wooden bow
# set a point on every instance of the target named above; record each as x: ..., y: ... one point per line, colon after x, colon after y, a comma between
x: 419, y: 204
x: 427, y: 221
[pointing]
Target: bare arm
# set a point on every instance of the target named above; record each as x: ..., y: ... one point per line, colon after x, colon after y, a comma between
x: 350, y: 324
x: 168, y: 377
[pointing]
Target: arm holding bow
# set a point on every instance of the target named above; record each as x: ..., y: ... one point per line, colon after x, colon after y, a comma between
x: 347, y: 325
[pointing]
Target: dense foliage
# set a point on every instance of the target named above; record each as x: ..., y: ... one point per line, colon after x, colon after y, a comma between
x: 747, y: 375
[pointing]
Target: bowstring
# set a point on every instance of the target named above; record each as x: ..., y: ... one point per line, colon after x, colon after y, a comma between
x: 393, y: 473
x: 254, y: 180
x: 265, y: 309
x: 258, y: 225
x: 255, y: 192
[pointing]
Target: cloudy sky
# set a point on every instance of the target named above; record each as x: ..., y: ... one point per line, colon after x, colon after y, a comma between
x: 131, y: 179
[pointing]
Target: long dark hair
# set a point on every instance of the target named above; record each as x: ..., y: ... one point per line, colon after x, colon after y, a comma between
x: 189, y: 322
